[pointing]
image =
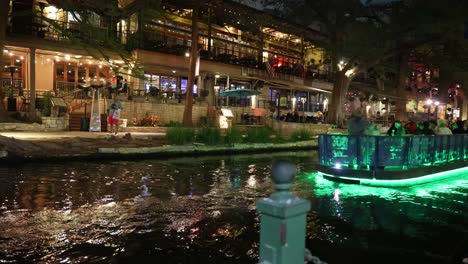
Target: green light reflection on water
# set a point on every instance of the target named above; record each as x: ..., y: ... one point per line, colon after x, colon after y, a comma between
x: 323, y: 187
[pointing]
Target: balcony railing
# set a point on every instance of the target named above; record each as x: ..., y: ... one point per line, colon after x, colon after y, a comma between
x: 61, y: 30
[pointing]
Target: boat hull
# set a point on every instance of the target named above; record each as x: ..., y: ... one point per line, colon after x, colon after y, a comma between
x: 392, y: 161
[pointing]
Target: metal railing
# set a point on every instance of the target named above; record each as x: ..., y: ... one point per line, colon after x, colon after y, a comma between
x: 381, y: 151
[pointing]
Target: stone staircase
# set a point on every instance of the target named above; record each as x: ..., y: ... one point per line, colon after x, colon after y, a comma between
x: 77, y: 108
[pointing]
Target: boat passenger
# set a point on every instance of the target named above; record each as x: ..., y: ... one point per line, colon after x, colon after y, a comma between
x: 373, y: 130
x: 396, y: 129
x: 420, y: 128
x: 442, y: 128
x: 411, y: 127
x: 457, y: 127
x: 357, y: 124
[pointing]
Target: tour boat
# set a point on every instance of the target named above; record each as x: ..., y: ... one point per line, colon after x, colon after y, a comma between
x: 392, y: 161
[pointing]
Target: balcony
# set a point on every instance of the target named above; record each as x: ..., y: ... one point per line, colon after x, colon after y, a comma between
x: 61, y: 31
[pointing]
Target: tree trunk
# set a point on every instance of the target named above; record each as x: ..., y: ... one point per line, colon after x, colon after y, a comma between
x: 335, y: 109
x: 400, y: 104
x: 210, y: 99
x: 193, y: 61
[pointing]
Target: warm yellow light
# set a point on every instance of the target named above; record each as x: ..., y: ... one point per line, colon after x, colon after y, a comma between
x: 67, y: 57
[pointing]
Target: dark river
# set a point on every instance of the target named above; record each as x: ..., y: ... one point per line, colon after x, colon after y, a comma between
x: 202, y: 210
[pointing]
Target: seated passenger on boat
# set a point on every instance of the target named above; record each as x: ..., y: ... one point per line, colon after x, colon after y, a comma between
x: 396, y: 129
x: 442, y: 128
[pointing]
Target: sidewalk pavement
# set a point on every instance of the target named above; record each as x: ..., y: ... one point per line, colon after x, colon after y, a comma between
x: 77, y: 134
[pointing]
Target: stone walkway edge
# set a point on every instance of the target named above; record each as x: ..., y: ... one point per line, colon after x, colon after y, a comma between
x: 199, y: 149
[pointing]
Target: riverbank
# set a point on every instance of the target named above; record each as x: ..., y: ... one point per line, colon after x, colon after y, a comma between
x: 21, y: 147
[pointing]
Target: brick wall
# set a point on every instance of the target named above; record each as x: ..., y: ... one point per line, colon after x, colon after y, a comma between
x: 287, y: 128
x: 48, y: 124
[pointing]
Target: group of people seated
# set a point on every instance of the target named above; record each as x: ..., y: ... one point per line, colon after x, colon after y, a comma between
x: 310, y: 117
x: 359, y: 125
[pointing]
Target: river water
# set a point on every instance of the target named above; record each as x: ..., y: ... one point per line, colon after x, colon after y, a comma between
x: 202, y: 210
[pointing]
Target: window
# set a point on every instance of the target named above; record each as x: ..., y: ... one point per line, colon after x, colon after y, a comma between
x: 151, y: 81
x: 71, y: 69
x: 92, y: 72
x: 60, y: 72
x: 183, y: 85
x: 81, y: 73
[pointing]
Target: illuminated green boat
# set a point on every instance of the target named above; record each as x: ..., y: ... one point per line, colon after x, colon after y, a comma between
x: 392, y: 161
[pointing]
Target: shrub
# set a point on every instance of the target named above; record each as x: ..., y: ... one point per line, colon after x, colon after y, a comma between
x: 233, y: 135
x: 260, y: 135
x: 180, y: 135
x: 47, y: 107
x: 174, y: 124
x: 301, y: 135
x: 209, y: 135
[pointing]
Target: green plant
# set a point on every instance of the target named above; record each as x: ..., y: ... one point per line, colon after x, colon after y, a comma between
x: 301, y: 135
x: 209, y: 135
x: 260, y: 135
x: 233, y: 135
x: 174, y: 124
x: 47, y: 106
x: 180, y: 135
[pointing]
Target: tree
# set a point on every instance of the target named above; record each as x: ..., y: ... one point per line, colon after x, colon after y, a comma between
x: 187, y: 119
x: 363, y: 35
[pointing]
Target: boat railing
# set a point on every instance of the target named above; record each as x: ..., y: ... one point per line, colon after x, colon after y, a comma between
x: 372, y: 152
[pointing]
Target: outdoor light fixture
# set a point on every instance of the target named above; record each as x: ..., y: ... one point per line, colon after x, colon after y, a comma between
x: 5, y: 50
x: 338, y: 165
x: 67, y: 57
x: 436, y: 103
x: 187, y: 54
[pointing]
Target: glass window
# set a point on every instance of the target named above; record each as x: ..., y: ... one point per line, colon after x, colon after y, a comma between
x: 92, y: 72
x: 164, y: 83
x: 81, y: 73
x: 60, y: 72
x: 151, y: 81
x: 71, y: 17
x: 71, y: 69
x: 183, y: 85
x: 6, y: 63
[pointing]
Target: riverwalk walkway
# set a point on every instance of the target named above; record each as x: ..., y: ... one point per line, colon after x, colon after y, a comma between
x: 36, y: 146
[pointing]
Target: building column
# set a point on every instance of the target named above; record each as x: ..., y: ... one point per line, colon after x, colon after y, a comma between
x: 32, y: 82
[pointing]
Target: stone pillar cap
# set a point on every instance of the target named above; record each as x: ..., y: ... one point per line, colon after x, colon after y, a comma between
x: 283, y: 172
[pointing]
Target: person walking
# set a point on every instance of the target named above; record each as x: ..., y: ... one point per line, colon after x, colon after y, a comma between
x: 113, y: 118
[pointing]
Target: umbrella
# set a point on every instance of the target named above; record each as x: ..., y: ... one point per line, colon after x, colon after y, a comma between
x: 239, y: 93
